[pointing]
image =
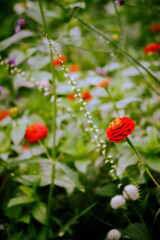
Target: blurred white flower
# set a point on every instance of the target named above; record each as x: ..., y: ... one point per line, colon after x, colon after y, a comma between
x: 131, y: 191
x: 114, y: 234
x: 75, y: 33
x: 19, y: 7
x: 43, y: 84
x: 117, y: 201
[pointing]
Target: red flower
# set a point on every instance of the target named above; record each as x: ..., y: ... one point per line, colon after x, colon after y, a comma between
x: 119, y: 129
x: 74, y: 68
x: 25, y: 147
x: 71, y: 96
x: 104, y: 83
x: 155, y: 28
x: 3, y: 114
x: 152, y: 48
x: 36, y: 132
x: 86, y: 96
x: 57, y: 62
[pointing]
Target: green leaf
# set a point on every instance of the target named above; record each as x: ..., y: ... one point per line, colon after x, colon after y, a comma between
x: 130, y: 72
x: 62, y: 180
x: 39, y: 212
x: 15, y: 38
x: 153, y: 142
x: 37, y: 62
x: 16, y: 162
x: 124, y: 162
x: 41, y: 75
x: 157, y: 213
x: 137, y: 231
x: 35, y: 118
x: 20, y: 200
x: 78, y: 4
x: 154, y: 163
x: 71, y: 174
x: 6, y: 121
x: 27, y: 190
x: 4, y: 142
x: 123, y: 103
x: 26, y: 219
x: 82, y: 165
x: 17, y: 134
x: 76, y: 147
x: 21, y: 56
x: 108, y: 190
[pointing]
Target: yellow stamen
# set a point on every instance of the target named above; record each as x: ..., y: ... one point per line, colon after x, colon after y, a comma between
x: 115, y: 123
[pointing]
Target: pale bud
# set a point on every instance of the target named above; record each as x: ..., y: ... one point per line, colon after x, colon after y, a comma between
x: 131, y: 191
x: 114, y: 234
x: 117, y: 201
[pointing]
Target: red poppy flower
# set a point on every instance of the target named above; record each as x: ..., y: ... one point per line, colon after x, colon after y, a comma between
x: 86, y: 96
x: 3, y: 114
x: 71, y: 96
x: 155, y: 28
x: 74, y: 68
x: 57, y: 61
x: 119, y: 129
x: 104, y: 83
x: 36, y: 132
x: 152, y: 48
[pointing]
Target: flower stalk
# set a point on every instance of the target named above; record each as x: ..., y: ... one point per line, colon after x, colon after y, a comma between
x: 142, y: 162
x: 54, y: 107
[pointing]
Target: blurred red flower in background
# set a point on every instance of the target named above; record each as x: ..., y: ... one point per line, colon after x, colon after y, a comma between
x: 86, y: 96
x: 74, y: 68
x: 155, y: 28
x: 71, y: 96
x: 119, y: 129
x: 4, y: 113
x: 57, y: 62
x: 104, y: 83
x: 152, y: 48
x: 36, y: 132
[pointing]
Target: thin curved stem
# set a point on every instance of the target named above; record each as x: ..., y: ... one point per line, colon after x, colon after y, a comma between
x: 45, y: 149
x: 141, y: 161
x: 118, y: 18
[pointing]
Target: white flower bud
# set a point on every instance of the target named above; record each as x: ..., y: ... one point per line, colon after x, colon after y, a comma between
x: 117, y: 201
x: 131, y: 191
x: 114, y: 234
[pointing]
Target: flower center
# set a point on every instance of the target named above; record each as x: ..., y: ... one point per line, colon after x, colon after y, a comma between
x: 115, y: 123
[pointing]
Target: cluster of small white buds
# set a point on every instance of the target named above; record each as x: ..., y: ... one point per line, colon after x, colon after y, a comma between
x: 113, y: 234
x: 131, y: 191
x: 117, y: 201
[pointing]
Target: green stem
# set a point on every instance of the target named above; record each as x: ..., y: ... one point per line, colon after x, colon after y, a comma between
x: 45, y: 149
x: 112, y: 100
x: 54, y: 107
x: 92, y: 28
x: 118, y: 18
x: 141, y: 161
